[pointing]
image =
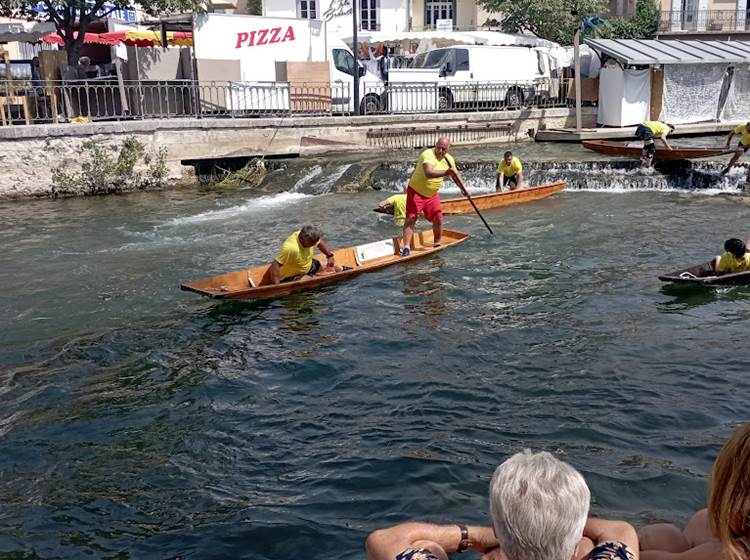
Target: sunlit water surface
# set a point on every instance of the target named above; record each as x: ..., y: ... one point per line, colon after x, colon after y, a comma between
x: 138, y: 421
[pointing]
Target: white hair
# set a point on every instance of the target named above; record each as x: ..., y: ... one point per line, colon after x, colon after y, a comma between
x: 539, y: 506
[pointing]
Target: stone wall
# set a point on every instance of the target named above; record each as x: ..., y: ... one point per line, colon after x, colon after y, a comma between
x: 29, y: 153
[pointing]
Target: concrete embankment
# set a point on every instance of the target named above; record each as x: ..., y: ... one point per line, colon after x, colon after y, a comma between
x: 28, y: 154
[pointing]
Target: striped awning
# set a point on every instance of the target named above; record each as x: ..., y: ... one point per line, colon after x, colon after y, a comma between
x: 650, y: 52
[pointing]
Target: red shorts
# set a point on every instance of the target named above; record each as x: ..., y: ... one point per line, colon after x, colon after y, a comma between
x: 417, y: 204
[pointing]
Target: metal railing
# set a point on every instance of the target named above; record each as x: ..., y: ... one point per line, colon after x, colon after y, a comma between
x: 704, y: 21
x: 27, y: 102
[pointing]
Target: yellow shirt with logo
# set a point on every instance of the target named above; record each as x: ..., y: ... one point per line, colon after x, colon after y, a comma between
x: 729, y: 264
x: 514, y: 168
x: 398, y: 201
x: 420, y: 182
x: 294, y: 258
x: 658, y: 129
x: 745, y: 135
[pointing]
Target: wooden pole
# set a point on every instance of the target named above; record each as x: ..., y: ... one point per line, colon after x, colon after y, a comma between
x: 577, y: 60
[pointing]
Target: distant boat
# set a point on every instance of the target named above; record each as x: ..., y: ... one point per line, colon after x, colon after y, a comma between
x: 254, y: 283
x: 498, y: 199
x: 704, y: 275
x: 612, y: 148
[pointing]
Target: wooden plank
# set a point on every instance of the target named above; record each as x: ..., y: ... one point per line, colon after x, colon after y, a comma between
x: 497, y: 200
x: 309, y: 85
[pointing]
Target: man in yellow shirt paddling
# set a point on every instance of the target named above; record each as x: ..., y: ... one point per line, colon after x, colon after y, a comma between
x: 744, y: 131
x: 422, y: 193
x: 396, y: 206
x: 647, y: 131
x: 509, y: 172
x: 295, y: 257
x: 735, y: 259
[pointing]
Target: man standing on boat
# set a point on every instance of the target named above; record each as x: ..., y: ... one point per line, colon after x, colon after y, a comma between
x: 744, y: 131
x: 509, y: 172
x: 422, y: 193
x: 647, y: 131
x: 295, y: 257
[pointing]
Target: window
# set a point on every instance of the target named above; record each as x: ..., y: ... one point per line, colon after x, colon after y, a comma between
x: 307, y: 9
x: 462, y: 59
x: 343, y: 60
x: 369, y: 15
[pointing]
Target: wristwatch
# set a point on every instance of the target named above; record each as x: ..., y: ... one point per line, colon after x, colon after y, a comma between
x: 464, y: 542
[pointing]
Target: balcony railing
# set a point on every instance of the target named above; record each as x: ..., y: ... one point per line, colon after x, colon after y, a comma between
x: 704, y: 21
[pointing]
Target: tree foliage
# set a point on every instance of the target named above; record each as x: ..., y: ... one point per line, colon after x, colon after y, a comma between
x: 554, y: 20
x: 73, y: 17
x: 643, y: 25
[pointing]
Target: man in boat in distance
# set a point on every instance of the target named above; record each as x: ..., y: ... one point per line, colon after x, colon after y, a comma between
x: 422, y: 193
x: 744, y: 131
x: 735, y: 259
x: 509, y: 172
x: 647, y: 131
x: 295, y: 259
x: 395, y: 206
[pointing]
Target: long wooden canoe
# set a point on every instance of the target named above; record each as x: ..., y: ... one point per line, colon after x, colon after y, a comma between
x: 496, y: 200
x: 612, y: 148
x: 254, y: 283
x: 704, y: 275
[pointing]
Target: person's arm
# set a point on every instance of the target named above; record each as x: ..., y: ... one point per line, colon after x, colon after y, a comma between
x: 520, y: 179
x: 729, y: 137
x: 498, y: 182
x: 664, y: 141
x: 323, y: 246
x: 602, y: 531
x: 274, y: 271
x: 432, y: 173
x: 706, y: 551
x: 717, y: 260
x: 385, y: 544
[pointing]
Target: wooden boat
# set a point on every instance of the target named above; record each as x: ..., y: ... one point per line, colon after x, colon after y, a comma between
x: 704, y: 275
x: 612, y: 148
x: 254, y: 283
x: 498, y: 199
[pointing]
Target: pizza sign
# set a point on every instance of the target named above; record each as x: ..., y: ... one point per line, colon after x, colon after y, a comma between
x: 264, y: 37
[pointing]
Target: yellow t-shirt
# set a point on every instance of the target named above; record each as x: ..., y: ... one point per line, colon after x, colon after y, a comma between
x: 398, y: 201
x: 659, y: 129
x: 745, y: 135
x: 729, y: 264
x: 514, y: 168
x: 293, y: 257
x: 420, y: 182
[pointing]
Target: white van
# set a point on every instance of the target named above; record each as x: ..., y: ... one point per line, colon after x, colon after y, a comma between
x: 487, y: 75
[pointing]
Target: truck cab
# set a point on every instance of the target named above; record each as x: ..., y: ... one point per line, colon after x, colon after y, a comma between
x: 342, y: 84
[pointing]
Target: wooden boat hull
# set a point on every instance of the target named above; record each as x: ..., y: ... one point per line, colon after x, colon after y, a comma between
x: 704, y: 275
x: 612, y: 148
x: 497, y: 200
x: 239, y: 284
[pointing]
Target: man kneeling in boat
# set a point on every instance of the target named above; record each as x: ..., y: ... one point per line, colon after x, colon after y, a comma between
x: 647, y: 131
x: 395, y: 206
x: 509, y: 172
x: 736, y: 258
x: 422, y: 193
x: 744, y: 131
x: 295, y: 260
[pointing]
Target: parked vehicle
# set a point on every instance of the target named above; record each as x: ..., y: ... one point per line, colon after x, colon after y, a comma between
x: 471, y: 75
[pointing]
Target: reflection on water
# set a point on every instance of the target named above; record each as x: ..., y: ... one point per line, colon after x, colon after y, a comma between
x: 196, y: 428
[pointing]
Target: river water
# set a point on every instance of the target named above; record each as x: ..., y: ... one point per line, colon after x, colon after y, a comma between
x: 138, y: 421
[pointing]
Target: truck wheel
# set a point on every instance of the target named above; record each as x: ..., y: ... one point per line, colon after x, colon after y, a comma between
x: 514, y: 98
x: 445, y: 100
x: 370, y: 105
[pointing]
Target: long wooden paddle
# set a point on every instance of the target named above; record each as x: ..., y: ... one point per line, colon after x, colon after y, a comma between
x: 468, y: 196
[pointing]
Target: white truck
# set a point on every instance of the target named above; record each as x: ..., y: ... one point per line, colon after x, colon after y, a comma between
x: 245, y: 50
x: 475, y: 76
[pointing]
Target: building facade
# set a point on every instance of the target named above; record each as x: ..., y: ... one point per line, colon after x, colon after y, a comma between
x: 704, y: 19
x: 385, y: 15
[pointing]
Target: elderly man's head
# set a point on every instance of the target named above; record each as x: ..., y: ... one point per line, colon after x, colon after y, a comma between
x: 309, y: 235
x: 539, y: 507
x: 441, y: 147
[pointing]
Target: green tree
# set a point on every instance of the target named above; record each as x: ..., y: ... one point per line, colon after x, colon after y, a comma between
x: 643, y: 25
x: 73, y: 17
x: 554, y: 20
